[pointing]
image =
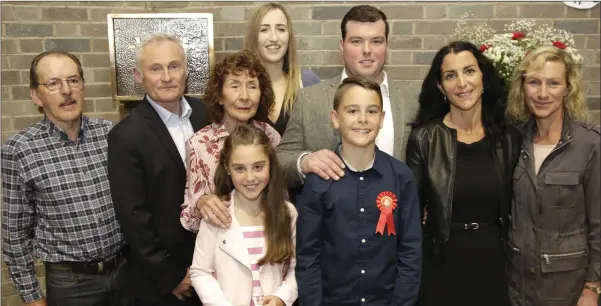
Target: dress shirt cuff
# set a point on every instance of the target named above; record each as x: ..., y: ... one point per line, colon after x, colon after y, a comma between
x: 298, y: 165
x: 33, y: 294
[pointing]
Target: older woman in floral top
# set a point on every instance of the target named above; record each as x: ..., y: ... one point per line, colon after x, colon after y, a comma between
x: 239, y: 92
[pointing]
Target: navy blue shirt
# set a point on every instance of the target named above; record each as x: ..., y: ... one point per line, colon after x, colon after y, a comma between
x: 341, y: 260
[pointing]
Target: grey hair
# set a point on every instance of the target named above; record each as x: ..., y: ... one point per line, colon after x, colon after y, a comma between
x: 158, y: 37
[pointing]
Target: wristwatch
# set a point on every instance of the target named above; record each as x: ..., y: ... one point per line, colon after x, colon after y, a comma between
x: 596, y: 290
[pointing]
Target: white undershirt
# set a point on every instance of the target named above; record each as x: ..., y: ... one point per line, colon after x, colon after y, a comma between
x: 540, y: 154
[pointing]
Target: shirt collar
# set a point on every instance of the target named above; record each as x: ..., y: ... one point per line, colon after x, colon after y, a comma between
x: 376, y: 164
x: 62, y: 135
x: 383, y: 85
x: 166, y: 115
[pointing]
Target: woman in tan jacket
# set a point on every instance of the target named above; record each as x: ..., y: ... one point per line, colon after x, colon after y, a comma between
x: 555, y: 224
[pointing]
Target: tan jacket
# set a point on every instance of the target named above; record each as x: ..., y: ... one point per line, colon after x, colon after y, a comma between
x: 555, y: 223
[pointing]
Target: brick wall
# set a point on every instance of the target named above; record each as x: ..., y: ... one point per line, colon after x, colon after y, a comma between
x: 418, y: 30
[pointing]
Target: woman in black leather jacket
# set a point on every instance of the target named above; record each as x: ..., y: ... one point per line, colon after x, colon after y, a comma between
x: 463, y: 155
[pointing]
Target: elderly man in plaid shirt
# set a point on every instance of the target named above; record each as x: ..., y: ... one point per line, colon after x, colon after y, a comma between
x: 57, y: 202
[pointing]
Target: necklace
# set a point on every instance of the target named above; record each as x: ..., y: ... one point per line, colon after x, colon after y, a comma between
x: 253, y: 213
x: 458, y: 128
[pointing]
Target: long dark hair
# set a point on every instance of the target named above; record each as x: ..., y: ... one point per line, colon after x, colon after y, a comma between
x: 273, y: 200
x: 432, y: 104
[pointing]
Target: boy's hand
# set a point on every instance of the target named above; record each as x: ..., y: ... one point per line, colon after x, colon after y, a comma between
x: 272, y: 300
x: 324, y: 163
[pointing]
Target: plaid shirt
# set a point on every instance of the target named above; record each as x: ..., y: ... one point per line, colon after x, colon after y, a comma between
x: 57, y: 200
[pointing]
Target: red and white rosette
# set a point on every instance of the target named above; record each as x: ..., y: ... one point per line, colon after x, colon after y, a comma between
x: 386, y: 202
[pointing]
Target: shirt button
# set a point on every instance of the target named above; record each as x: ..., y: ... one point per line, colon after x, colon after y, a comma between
x: 362, y: 271
x: 362, y: 210
x: 361, y: 178
x: 362, y: 240
x: 362, y: 300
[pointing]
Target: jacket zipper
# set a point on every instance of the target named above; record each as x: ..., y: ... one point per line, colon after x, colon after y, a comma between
x: 548, y: 256
x: 452, y: 183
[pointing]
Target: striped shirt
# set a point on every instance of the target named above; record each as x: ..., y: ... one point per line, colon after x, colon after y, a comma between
x: 56, y: 200
x: 254, y: 238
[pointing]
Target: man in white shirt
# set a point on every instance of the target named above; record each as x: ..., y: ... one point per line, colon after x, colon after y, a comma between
x: 308, y: 143
x: 147, y: 175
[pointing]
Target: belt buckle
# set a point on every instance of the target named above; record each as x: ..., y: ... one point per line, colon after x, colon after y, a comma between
x: 472, y: 226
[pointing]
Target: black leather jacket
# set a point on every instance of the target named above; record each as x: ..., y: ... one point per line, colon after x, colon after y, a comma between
x: 431, y: 155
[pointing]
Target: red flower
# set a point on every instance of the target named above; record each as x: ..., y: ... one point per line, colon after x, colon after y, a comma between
x: 559, y: 45
x: 518, y: 35
x: 484, y: 47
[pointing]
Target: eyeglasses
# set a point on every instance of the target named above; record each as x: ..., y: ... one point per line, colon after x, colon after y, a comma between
x: 57, y: 84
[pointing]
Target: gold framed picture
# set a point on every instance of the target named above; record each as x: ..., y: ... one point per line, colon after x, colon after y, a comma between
x: 126, y: 31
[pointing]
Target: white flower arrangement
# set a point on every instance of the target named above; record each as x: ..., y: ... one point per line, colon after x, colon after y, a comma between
x: 507, y: 50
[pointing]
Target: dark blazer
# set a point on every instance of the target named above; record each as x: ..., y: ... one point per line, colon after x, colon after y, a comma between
x: 147, y: 178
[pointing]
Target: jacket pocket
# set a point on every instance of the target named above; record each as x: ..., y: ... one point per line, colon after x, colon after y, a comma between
x: 562, y: 275
x: 562, y: 190
x: 565, y: 261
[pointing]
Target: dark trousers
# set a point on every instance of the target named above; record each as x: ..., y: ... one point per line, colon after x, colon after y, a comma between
x: 67, y: 288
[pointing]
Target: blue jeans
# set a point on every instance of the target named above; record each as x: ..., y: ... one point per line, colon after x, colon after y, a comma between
x: 67, y: 288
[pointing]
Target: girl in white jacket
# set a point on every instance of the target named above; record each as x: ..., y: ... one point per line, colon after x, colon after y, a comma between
x: 252, y: 262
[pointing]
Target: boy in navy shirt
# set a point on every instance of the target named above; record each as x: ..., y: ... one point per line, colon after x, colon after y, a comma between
x: 359, y: 238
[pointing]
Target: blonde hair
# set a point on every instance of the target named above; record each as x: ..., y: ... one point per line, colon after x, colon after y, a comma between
x: 158, y: 37
x: 574, y: 102
x: 290, y: 66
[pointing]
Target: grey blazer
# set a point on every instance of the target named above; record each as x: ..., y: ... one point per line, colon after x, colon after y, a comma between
x: 310, y: 128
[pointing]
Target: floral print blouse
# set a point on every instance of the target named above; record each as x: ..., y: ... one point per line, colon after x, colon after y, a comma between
x: 202, y: 157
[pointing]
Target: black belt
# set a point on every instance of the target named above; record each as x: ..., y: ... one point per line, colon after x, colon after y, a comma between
x: 473, y: 226
x: 95, y: 267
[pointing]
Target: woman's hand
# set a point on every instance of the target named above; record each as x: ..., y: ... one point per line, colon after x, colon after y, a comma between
x: 214, y: 210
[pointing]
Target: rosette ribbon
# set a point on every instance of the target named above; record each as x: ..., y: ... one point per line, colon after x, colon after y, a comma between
x: 386, y: 203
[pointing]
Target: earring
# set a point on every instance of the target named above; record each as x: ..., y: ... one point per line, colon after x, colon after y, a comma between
x: 445, y: 100
x: 229, y: 173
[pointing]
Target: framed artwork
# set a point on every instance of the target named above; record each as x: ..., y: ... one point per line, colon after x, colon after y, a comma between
x: 126, y: 31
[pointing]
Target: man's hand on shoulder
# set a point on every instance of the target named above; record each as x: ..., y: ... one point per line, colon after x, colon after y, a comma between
x: 323, y: 163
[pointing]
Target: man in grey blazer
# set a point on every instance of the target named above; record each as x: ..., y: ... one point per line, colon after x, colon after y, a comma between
x: 308, y: 143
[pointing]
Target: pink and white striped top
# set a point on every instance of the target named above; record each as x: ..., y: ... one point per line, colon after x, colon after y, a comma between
x: 254, y: 237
